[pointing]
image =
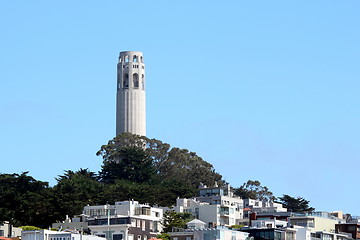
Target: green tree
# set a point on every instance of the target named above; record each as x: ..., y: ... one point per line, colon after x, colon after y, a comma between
x: 25, y: 200
x: 74, y: 190
x: 163, y: 236
x: 173, y: 219
x: 132, y: 163
x: 254, y: 190
x: 169, y: 163
x: 296, y: 204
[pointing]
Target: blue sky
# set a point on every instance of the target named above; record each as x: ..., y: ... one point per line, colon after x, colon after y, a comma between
x: 263, y: 90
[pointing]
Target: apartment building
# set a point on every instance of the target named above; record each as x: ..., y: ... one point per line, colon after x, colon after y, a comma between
x: 128, y: 220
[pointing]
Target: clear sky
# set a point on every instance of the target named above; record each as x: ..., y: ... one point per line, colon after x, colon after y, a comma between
x: 263, y: 90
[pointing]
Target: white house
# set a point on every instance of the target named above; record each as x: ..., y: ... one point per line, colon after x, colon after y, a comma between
x: 125, y: 220
x: 215, y: 206
x: 7, y: 230
x: 54, y: 235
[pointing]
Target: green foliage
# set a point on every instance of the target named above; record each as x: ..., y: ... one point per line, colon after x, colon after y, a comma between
x: 74, y: 190
x: 163, y: 236
x: 254, y: 190
x: 30, y: 228
x: 24, y: 200
x: 296, y: 204
x: 173, y: 219
x: 168, y: 163
x: 133, y: 165
x: 237, y: 226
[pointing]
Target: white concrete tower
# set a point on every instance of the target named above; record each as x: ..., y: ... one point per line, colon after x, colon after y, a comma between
x: 131, y: 100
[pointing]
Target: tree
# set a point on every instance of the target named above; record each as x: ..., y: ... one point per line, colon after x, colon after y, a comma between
x: 173, y: 219
x: 25, y: 200
x: 296, y: 204
x: 74, y: 190
x: 163, y: 236
x: 254, y: 190
x: 169, y: 163
x: 132, y: 164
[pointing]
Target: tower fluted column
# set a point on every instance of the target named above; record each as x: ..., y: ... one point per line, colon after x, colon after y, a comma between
x: 131, y: 99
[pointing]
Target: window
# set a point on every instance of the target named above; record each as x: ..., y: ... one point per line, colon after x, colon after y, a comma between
x: 139, y: 237
x: 151, y: 225
x: 133, y: 222
x: 117, y: 237
x: 126, y: 80
x: 126, y: 58
x: 136, y: 80
x: 156, y: 226
x: 143, y: 225
x: 143, y: 81
x: 135, y: 58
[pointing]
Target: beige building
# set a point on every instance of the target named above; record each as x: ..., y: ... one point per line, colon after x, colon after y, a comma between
x: 316, y: 221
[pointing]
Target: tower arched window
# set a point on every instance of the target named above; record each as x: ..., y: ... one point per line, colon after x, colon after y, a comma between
x: 126, y: 58
x: 136, y: 80
x: 141, y: 59
x: 126, y: 80
x: 135, y: 58
x: 143, y: 81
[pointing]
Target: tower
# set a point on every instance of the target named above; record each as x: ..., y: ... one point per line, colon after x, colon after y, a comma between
x: 130, y: 100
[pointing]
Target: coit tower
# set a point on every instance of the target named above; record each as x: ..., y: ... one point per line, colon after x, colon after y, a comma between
x: 130, y: 100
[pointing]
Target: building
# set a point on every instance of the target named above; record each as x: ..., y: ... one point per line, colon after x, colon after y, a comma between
x: 271, y: 233
x: 316, y: 221
x: 54, y: 235
x: 352, y: 228
x: 259, y: 206
x: 77, y: 223
x: 282, y: 216
x: 131, y: 100
x: 196, y: 230
x: 8, y: 230
x: 270, y: 229
x: 216, y: 206
x: 125, y: 220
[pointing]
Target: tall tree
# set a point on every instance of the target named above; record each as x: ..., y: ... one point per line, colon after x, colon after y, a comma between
x: 169, y: 163
x: 296, y: 204
x: 74, y: 190
x: 132, y: 164
x: 254, y: 190
x: 25, y: 200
